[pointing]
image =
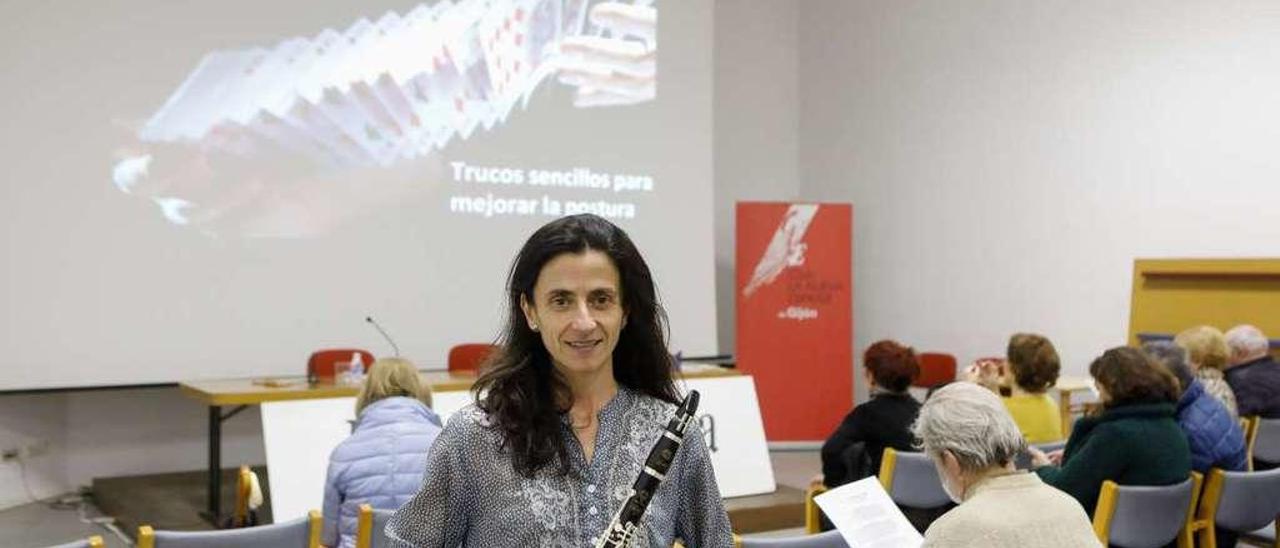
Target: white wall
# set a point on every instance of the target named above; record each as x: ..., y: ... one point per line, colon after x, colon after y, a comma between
x: 114, y: 433
x: 756, y: 123
x: 1008, y: 160
x: 148, y: 431
x: 26, y: 420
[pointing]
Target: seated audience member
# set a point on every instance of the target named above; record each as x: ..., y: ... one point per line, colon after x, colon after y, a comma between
x: 1207, y: 353
x: 1254, y: 376
x: 853, y: 451
x: 1215, y: 437
x: 1031, y: 370
x: 972, y: 440
x: 383, y: 461
x: 1134, y: 440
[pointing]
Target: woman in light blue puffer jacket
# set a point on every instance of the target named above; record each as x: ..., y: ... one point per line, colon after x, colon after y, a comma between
x: 383, y: 461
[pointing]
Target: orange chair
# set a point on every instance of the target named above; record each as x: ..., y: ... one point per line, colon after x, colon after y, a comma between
x: 466, y: 358
x: 322, y: 365
x: 935, y: 368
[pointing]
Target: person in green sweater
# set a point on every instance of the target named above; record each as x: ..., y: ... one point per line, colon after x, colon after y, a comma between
x: 1134, y: 440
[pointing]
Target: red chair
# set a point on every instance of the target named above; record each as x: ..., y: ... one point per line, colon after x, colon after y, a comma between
x: 322, y: 365
x: 935, y: 368
x: 466, y: 358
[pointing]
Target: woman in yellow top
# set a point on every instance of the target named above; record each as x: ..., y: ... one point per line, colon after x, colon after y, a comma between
x: 1029, y: 371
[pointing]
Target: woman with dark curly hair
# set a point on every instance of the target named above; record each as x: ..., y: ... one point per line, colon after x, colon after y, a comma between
x: 567, y: 411
x: 1133, y: 441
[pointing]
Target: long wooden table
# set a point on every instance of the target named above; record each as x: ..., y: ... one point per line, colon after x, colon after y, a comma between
x: 241, y: 393
x: 238, y: 394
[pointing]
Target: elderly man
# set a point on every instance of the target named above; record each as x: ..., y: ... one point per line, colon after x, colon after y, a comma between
x: 1253, y: 374
x: 972, y: 440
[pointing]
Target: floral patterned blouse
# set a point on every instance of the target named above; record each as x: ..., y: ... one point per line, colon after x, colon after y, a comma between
x: 472, y: 496
x: 1216, y: 385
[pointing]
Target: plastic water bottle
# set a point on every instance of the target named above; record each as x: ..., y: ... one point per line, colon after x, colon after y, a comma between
x: 356, y: 372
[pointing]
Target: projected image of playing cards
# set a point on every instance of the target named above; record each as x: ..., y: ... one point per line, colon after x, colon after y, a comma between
x: 290, y: 139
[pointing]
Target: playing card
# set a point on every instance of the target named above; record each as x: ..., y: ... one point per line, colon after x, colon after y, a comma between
x: 275, y: 91
x: 432, y: 84
x: 502, y: 32
x: 326, y: 108
x: 354, y: 104
x: 227, y: 92
x: 304, y: 109
x: 573, y: 15
x: 185, y: 114
x: 270, y: 82
x: 471, y: 94
x: 378, y: 75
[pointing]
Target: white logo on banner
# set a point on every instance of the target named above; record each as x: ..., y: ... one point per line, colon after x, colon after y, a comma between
x: 786, y: 249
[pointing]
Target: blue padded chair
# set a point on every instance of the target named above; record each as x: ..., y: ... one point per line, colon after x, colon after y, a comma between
x: 911, y: 479
x: 1146, y: 516
x: 1240, y: 502
x: 371, y: 527
x: 94, y: 541
x: 299, y: 533
x: 1264, y: 441
x: 829, y: 539
x: 380, y: 519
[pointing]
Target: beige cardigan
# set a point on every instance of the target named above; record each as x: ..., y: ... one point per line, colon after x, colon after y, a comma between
x: 1016, y: 511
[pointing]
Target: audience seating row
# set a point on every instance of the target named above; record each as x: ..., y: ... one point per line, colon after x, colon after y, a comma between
x: 1189, y: 512
x: 1242, y: 502
x: 300, y: 532
x: 304, y: 531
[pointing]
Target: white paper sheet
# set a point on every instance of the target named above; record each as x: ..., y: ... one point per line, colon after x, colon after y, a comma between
x: 866, y: 517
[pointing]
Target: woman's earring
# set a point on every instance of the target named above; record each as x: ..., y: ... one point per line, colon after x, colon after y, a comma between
x: 533, y: 326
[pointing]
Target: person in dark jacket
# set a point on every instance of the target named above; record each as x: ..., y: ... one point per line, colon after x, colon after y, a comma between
x: 1253, y: 374
x: 885, y: 421
x: 854, y: 450
x: 1133, y: 441
x: 1215, y: 439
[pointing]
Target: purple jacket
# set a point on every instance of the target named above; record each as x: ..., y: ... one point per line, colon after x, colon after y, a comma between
x: 381, y: 464
x: 1257, y: 387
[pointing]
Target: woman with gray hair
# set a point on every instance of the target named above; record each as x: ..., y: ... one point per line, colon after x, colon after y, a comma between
x: 972, y: 440
x: 1254, y: 376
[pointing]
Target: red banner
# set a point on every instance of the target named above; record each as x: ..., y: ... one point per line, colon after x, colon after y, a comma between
x: 795, y: 314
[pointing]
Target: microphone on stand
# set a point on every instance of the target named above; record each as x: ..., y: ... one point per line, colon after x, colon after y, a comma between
x: 378, y: 326
x: 627, y: 521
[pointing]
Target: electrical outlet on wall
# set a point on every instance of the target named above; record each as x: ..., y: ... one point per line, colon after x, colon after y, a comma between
x: 31, y: 448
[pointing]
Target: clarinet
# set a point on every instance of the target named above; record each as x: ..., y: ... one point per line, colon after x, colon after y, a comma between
x: 627, y: 521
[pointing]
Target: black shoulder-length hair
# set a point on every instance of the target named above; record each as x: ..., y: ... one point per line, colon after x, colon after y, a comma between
x: 524, y: 396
